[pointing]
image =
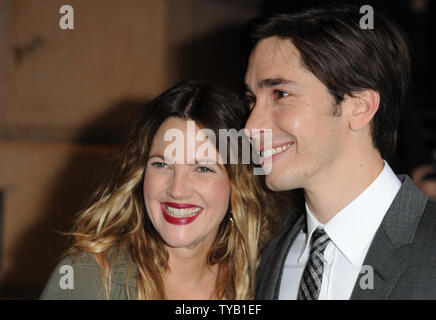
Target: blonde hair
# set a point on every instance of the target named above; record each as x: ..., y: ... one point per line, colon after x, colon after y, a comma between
x: 117, y: 218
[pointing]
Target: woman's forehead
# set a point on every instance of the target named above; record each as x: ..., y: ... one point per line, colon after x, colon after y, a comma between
x: 185, y: 142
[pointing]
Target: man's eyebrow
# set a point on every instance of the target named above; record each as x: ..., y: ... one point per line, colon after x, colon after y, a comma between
x: 269, y: 83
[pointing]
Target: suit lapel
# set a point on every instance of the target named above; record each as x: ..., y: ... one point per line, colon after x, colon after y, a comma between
x: 387, y: 255
x: 273, y: 261
x: 387, y: 266
x: 285, y: 244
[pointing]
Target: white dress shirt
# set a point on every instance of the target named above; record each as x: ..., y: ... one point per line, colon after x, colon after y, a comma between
x: 351, y: 232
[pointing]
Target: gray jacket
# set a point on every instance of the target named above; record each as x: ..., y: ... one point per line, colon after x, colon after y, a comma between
x: 79, y: 278
x: 402, y: 254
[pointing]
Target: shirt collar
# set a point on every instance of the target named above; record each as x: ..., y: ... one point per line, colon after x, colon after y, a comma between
x: 353, y: 228
x: 312, y: 224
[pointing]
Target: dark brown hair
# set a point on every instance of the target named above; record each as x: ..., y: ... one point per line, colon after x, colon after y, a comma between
x: 345, y: 58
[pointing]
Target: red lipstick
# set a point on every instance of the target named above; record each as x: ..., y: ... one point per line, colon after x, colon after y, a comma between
x: 175, y: 220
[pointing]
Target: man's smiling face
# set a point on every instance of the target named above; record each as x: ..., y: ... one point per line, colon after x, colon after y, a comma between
x: 288, y: 99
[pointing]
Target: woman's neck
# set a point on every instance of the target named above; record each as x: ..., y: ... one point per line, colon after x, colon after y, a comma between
x: 190, y: 277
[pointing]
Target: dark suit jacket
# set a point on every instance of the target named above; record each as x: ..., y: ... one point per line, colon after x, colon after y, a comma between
x: 402, y: 253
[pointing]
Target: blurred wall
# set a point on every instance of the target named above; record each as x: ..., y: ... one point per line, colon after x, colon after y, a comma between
x: 66, y: 97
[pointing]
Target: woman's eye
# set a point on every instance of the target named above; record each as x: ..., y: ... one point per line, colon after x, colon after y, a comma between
x: 278, y: 94
x: 204, y: 169
x: 159, y: 165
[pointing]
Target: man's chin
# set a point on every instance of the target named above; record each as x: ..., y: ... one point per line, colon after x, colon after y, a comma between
x: 275, y: 184
x: 282, y: 182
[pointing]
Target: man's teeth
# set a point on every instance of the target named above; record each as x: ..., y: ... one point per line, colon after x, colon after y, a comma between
x: 182, y: 213
x: 268, y: 153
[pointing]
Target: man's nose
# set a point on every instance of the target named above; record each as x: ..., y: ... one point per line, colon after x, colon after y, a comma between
x: 259, y: 120
x: 180, y: 184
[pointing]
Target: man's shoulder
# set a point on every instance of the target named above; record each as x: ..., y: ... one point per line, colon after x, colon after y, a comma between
x: 417, y: 211
x: 431, y: 205
x: 428, y: 220
x: 411, y: 196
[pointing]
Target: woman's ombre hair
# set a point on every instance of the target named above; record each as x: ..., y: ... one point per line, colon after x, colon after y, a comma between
x: 117, y: 219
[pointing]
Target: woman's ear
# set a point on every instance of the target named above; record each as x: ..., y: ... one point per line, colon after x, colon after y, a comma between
x: 365, y: 104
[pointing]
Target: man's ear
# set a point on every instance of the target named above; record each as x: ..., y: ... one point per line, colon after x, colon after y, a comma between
x: 365, y: 104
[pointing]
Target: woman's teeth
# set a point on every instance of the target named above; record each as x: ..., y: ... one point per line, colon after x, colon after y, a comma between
x: 268, y: 153
x: 182, y: 213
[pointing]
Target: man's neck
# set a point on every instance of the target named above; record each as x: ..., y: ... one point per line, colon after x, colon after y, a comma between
x: 330, y: 193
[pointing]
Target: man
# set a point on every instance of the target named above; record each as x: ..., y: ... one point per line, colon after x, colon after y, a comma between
x: 330, y: 92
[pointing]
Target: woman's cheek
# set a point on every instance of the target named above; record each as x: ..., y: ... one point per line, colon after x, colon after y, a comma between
x: 217, y: 193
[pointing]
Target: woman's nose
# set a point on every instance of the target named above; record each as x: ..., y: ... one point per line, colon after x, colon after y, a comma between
x: 180, y: 186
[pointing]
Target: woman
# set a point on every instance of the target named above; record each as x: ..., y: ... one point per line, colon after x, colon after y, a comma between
x: 171, y: 224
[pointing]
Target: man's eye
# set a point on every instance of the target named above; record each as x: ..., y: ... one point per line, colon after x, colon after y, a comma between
x: 250, y: 100
x: 278, y: 94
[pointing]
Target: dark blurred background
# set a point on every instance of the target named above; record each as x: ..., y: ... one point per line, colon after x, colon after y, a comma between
x: 67, y: 96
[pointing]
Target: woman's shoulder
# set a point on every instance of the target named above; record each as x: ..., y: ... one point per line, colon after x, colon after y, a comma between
x: 79, y: 277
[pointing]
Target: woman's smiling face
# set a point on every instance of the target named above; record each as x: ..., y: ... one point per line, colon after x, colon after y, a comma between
x: 186, y: 197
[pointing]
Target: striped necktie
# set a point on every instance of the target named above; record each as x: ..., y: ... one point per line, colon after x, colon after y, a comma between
x: 311, y: 280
